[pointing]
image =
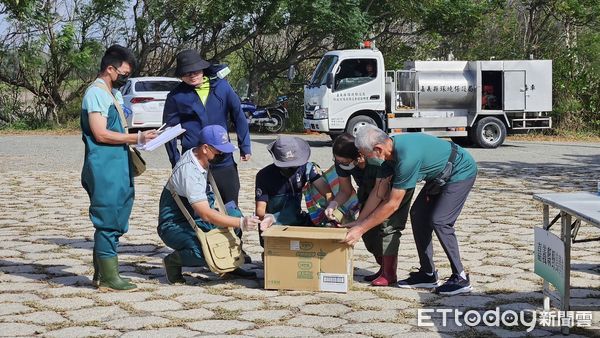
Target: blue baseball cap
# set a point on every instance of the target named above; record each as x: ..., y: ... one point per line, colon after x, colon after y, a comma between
x: 216, y: 136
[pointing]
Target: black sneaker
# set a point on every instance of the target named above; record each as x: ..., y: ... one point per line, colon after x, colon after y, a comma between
x: 455, y: 285
x: 419, y: 279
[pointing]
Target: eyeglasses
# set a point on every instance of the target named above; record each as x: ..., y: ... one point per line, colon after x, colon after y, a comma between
x: 119, y: 72
x: 342, y: 163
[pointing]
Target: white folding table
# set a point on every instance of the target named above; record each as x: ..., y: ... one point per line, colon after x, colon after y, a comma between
x: 581, y: 206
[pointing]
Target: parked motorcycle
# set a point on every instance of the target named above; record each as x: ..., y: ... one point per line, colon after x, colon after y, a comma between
x: 272, y: 117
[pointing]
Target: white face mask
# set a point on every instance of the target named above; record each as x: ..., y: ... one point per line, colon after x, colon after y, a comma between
x: 348, y: 166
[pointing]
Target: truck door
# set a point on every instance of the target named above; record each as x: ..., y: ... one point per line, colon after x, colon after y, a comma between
x: 514, y: 90
x: 357, y: 85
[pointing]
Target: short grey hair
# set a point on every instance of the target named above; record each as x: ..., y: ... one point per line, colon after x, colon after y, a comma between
x: 368, y: 136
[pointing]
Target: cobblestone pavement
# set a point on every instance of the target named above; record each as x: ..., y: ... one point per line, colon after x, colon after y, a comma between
x: 45, y: 268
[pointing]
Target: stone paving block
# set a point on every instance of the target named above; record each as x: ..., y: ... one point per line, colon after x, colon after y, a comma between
x: 36, y: 247
x: 156, y: 305
x: 167, y: 332
x: 495, y: 270
x: 381, y: 329
x: 23, y: 277
x: 9, y: 253
x: 71, y: 280
x: 13, y: 308
x: 510, y: 284
x: 239, y: 305
x: 135, y: 323
x: 411, y: 295
x: 69, y: 290
x: 325, y: 309
x: 189, y: 314
x: 219, y: 326
x: 257, y: 293
x: 17, y: 297
x: 178, y: 290
x: 82, y: 331
x: 202, y: 298
x: 41, y: 317
x: 470, y: 301
x: 62, y: 304
x: 379, y: 304
x: 23, y: 287
x: 69, y: 270
x: 318, y: 322
x: 123, y: 297
x: 20, y: 330
x: 265, y: 315
x: 293, y: 301
x: 371, y: 316
x: 18, y: 268
x: 283, y: 331
x: 350, y: 296
x: 101, y: 313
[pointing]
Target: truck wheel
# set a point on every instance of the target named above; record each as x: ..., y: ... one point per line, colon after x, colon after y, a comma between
x: 490, y: 132
x: 357, y: 122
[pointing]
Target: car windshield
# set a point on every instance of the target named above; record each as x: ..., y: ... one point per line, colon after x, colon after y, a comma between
x: 155, y: 86
x: 325, y: 66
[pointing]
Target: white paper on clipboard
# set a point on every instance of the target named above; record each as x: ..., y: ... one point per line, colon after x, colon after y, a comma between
x: 164, y: 137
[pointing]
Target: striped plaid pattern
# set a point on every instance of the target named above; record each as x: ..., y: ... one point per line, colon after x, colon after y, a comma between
x: 316, y: 203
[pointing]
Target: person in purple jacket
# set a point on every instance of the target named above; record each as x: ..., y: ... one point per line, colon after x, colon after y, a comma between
x: 203, y: 99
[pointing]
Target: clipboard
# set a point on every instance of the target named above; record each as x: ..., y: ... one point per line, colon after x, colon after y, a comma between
x: 164, y: 137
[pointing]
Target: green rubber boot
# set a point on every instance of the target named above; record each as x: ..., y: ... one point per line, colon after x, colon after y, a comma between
x: 173, y: 267
x: 96, y: 277
x: 109, y: 275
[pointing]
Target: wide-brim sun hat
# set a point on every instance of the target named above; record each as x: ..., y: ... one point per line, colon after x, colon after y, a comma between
x: 289, y: 151
x: 189, y: 61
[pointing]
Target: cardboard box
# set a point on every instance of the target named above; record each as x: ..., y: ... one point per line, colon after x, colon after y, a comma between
x: 307, y: 258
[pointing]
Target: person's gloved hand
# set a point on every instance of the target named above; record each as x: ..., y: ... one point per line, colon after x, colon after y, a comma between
x: 249, y: 222
x: 267, y: 221
x: 330, y: 209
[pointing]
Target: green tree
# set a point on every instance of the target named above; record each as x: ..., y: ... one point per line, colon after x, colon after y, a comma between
x: 51, y: 49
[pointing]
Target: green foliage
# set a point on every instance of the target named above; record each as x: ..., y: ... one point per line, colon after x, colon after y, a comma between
x: 52, y: 49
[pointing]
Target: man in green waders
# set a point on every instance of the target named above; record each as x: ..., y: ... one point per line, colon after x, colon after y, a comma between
x: 106, y: 175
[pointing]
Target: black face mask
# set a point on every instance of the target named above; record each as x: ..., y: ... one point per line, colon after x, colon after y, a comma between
x: 217, y: 159
x: 288, y: 172
x: 120, y: 81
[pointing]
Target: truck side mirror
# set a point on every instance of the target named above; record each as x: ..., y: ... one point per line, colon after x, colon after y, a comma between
x: 329, y: 80
x: 292, y: 72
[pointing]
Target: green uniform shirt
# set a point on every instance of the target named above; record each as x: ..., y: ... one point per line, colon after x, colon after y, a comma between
x: 419, y: 156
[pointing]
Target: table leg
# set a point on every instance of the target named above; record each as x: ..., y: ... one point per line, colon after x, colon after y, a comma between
x: 566, y: 238
x: 546, y: 288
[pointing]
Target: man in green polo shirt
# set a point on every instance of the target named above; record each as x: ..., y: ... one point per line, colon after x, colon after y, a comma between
x: 412, y: 158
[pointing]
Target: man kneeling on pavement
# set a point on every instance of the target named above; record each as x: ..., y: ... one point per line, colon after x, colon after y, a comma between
x: 189, y: 181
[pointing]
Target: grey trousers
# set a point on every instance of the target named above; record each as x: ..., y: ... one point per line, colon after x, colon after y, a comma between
x: 438, y: 214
